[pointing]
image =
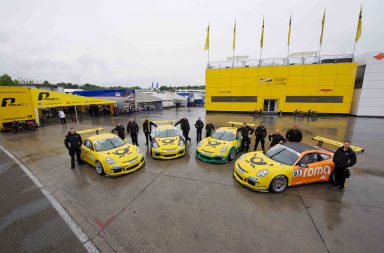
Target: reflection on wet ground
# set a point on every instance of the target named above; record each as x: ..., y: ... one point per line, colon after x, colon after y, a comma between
x: 171, y: 206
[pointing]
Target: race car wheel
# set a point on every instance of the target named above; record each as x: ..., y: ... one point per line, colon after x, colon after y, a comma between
x: 278, y: 184
x: 232, y: 154
x: 99, y: 168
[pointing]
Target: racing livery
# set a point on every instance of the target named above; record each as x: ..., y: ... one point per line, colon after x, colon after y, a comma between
x: 111, y: 155
x: 220, y: 147
x: 284, y: 165
x: 167, y: 143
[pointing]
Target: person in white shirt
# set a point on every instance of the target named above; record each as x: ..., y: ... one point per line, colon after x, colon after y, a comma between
x: 62, y: 117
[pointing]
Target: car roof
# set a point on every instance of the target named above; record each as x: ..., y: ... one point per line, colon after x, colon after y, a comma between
x: 166, y: 127
x: 229, y: 129
x: 300, y: 147
x: 97, y: 137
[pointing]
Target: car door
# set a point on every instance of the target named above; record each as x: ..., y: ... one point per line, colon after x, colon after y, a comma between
x: 311, y: 168
x: 88, y: 152
x: 237, y: 141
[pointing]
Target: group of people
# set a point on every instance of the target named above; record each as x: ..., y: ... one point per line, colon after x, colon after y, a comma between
x: 294, y: 134
x: 343, y: 158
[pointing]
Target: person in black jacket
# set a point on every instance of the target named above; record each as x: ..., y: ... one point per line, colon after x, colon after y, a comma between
x: 209, y: 128
x: 184, y: 125
x: 245, y: 131
x: 73, y: 143
x: 147, y: 129
x: 276, y: 138
x: 199, y: 125
x: 133, y: 129
x: 260, y: 133
x: 294, y: 134
x: 120, y: 130
x: 343, y: 158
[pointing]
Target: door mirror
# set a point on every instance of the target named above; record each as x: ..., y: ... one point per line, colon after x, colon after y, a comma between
x: 304, y: 166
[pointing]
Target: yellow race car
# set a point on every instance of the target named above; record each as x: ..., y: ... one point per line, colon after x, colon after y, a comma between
x: 287, y: 164
x: 111, y: 155
x: 167, y: 142
x: 220, y: 147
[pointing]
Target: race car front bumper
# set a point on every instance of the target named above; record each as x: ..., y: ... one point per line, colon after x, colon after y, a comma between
x: 167, y: 155
x: 251, y: 182
x: 211, y: 159
x: 118, y: 170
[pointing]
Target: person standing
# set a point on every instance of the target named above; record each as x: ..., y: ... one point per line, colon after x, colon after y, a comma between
x: 147, y: 129
x: 260, y: 133
x: 62, y: 117
x: 73, y: 143
x: 209, y: 128
x: 343, y: 158
x: 133, y: 129
x: 199, y: 125
x: 276, y: 138
x: 184, y: 125
x: 294, y: 134
x: 245, y: 131
x: 120, y: 130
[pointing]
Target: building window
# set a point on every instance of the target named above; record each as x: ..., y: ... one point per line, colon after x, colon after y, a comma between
x: 314, y: 99
x: 234, y: 99
x: 359, y: 76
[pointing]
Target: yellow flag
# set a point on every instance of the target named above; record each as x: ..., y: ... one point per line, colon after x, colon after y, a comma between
x: 289, y: 30
x: 234, y: 37
x: 206, y: 47
x: 262, y: 35
x: 322, y: 28
x: 359, y: 24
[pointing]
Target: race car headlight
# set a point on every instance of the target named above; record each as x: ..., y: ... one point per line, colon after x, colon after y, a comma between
x: 200, y: 143
x: 223, y: 149
x: 109, y: 160
x: 155, y: 145
x: 262, y: 173
x: 138, y: 150
x: 181, y: 143
x: 241, y: 157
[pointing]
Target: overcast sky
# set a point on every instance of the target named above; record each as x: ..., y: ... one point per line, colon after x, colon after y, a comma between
x: 123, y: 42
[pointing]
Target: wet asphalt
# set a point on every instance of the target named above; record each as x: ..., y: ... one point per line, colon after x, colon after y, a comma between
x: 186, y: 205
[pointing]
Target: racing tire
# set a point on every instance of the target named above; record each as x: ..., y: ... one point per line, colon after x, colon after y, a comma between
x: 231, y: 154
x: 279, y: 184
x: 99, y: 168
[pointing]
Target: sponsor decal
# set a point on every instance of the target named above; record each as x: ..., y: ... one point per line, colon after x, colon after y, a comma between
x: 122, y: 152
x: 310, y: 172
x: 379, y: 56
x: 11, y: 102
x: 168, y: 141
x: 213, y: 144
x: 256, y: 160
x: 91, y: 157
x: 46, y: 96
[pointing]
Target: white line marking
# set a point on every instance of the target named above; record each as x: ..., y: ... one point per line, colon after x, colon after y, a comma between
x: 89, y: 246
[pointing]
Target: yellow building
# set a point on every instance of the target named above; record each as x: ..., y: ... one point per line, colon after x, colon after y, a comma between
x: 325, y: 88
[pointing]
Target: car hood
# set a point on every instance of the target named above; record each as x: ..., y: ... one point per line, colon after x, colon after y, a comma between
x: 213, y: 145
x: 168, y: 142
x: 122, y: 154
x: 256, y: 161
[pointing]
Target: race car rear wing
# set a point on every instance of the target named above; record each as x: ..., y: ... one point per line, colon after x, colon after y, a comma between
x: 239, y: 124
x: 163, y: 121
x: 322, y: 140
x: 92, y: 130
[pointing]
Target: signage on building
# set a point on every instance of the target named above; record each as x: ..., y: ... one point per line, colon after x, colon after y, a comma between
x: 274, y: 81
x: 325, y: 90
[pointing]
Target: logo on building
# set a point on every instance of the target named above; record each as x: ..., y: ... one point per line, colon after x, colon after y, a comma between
x: 379, y: 56
x: 326, y: 90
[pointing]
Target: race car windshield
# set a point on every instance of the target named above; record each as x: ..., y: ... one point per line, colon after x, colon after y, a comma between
x: 163, y: 133
x: 281, y: 154
x: 108, y: 144
x: 223, y: 135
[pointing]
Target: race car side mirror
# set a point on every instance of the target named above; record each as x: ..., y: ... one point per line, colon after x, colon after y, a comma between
x: 304, y: 166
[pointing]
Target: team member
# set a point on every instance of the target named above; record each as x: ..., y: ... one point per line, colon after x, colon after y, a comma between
x: 73, y: 143
x: 199, y: 128
x: 120, y: 130
x: 209, y: 128
x: 147, y: 129
x: 133, y: 129
x: 184, y: 125
x: 62, y: 117
x: 245, y: 131
x: 276, y: 138
x: 260, y: 133
x: 294, y: 134
x: 343, y: 158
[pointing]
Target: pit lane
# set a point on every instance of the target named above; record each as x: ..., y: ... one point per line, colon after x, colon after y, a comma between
x: 186, y: 205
